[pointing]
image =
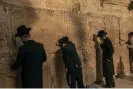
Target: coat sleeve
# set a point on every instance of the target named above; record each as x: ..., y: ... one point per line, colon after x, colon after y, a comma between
x: 44, y: 54
x: 110, y: 50
x: 65, y: 57
x: 19, y: 59
x: 129, y: 46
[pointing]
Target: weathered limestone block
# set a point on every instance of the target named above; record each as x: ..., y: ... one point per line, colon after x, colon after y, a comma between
x: 112, y: 27
x: 30, y: 3
x: 95, y: 23
x: 7, y: 50
x: 116, y: 1
x: 50, y: 20
x: 6, y: 82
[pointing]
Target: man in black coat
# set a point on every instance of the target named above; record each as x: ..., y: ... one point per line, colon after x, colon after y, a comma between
x: 108, y: 66
x: 31, y: 56
x: 130, y: 47
x: 72, y: 63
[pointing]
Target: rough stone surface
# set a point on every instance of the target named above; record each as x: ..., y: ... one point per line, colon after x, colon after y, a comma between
x: 50, y: 20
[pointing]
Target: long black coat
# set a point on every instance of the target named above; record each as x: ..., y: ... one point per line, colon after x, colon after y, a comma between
x: 73, y: 64
x: 108, y: 51
x: 70, y: 57
x: 31, y: 56
x: 130, y: 53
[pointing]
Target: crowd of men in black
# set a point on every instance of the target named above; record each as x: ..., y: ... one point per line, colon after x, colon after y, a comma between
x: 32, y: 54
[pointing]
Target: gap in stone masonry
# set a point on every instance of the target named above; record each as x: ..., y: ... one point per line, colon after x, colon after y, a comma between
x: 102, y: 2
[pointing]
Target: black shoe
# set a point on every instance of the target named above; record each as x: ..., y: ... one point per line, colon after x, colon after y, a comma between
x: 99, y: 83
x: 106, y: 86
x: 113, y: 86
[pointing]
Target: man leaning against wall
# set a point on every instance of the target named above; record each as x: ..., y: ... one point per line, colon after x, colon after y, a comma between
x: 31, y: 56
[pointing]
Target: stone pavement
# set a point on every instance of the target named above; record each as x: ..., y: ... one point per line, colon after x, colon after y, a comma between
x: 126, y: 82
x: 123, y: 83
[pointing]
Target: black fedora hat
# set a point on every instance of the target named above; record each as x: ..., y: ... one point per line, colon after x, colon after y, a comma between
x: 101, y: 33
x: 130, y: 34
x: 65, y: 39
x: 21, y: 30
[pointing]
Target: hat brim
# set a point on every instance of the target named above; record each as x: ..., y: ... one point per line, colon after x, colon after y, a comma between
x: 101, y: 35
x: 66, y: 41
x: 19, y: 34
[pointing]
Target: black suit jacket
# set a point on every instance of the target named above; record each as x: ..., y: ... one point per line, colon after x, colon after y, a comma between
x: 31, y: 56
x: 108, y: 49
x: 70, y: 56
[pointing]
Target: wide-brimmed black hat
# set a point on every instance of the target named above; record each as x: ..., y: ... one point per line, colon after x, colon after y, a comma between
x: 65, y: 39
x: 21, y: 30
x: 130, y: 34
x: 101, y: 33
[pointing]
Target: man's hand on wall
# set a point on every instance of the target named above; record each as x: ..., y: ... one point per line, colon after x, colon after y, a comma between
x: 66, y: 70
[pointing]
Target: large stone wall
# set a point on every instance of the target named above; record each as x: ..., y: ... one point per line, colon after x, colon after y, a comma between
x: 50, y: 20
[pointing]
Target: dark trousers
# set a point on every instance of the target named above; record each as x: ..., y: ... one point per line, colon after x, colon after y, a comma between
x: 131, y: 59
x: 31, y: 82
x: 75, y: 78
x: 110, y: 81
